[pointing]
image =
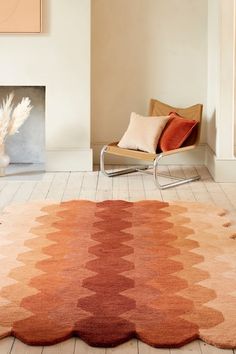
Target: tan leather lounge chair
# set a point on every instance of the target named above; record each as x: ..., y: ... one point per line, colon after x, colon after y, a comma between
x: 158, y: 108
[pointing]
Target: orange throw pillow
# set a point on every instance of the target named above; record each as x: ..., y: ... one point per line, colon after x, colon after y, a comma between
x: 176, y: 131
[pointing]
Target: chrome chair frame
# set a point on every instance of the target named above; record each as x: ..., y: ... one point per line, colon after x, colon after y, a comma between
x: 145, y: 169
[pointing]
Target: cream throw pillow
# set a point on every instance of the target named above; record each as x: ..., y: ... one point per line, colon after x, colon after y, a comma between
x: 143, y: 133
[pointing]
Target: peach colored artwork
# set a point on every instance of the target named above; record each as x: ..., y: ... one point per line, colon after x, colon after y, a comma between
x: 20, y: 16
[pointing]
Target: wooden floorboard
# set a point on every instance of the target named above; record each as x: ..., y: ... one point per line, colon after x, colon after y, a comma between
x: 130, y: 347
x: 21, y: 348
x: 83, y: 348
x: 6, y: 345
x: 64, y: 186
x: 67, y: 347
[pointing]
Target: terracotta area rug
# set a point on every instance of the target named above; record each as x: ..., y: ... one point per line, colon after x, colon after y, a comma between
x: 106, y: 272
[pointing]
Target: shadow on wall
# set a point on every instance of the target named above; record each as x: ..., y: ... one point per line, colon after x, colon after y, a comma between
x: 144, y: 49
x: 119, y: 65
x: 28, y: 146
x: 212, y: 131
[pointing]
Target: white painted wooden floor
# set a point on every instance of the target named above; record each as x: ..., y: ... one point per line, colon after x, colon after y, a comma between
x: 23, y: 186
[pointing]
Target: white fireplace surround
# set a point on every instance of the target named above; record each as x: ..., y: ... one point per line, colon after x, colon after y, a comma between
x: 63, y: 67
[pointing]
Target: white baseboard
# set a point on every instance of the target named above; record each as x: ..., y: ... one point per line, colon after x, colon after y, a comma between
x: 69, y: 160
x: 82, y: 160
x: 221, y: 170
x: 194, y: 157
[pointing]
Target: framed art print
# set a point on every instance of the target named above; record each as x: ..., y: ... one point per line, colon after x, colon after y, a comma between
x: 20, y: 16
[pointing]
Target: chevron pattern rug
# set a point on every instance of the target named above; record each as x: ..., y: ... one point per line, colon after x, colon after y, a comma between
x: 106, y: 272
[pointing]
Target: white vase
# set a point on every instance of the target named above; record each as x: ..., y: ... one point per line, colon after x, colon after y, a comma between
x: 4, y: 160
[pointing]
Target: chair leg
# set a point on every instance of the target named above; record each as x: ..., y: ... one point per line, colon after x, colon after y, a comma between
x: 120, y: 172
x: 178, y: 181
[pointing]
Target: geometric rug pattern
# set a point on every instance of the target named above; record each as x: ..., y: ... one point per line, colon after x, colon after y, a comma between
x: 163, y: 272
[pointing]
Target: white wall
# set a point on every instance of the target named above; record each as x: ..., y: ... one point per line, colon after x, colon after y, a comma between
x: 59, y: 59
x: 143, y: 49
x: 221, y: 77
x: 226, y: 102
x: 220, y: 158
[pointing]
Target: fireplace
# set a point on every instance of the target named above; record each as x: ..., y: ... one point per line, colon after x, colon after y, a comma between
x: 28, y: 146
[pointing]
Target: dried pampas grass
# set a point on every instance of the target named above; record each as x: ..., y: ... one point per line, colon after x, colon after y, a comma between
x: 12, y: 119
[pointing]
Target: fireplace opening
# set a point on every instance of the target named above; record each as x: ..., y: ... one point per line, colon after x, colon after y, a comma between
x: 28, y: 146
